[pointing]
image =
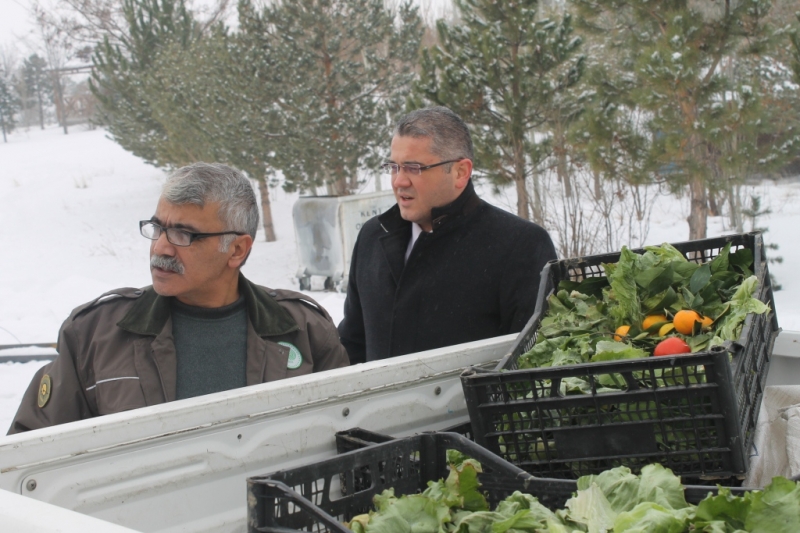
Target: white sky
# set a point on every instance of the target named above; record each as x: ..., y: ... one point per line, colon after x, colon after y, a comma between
x: 15, y: 20
x: 17, y: 24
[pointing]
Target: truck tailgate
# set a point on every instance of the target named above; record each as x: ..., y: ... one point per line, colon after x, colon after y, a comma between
x: 182, y: 466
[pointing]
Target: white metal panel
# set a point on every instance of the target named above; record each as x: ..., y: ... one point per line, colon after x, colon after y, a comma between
x: 784, y: 365
x: 354, y: 212
x: 318, y: 236
x: 326, y: 228
x: 26, y: 515
x: 182, y: 466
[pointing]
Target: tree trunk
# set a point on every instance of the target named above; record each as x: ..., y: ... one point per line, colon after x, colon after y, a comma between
x: 735, y: 206
x: 698, y: 211
x: 563, y: 174
x: 41, y: 109
x: 522, y: 197
x: 352, y: 183
x: 340, y: 185
x: 61, y: 112
x: 561, y: 164
x: 519, y: 180
x: 3, y: 125
x: 266, y: 211
x: 598, y: 186
x: 713, y: 205
x: 536, y: 205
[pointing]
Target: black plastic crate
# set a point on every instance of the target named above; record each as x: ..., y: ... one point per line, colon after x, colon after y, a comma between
x: 695, y: 414
x: 357, y: 438
x: 320, y: 496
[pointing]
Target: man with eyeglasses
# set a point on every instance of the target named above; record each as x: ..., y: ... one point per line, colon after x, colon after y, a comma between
x: 442, y: 266
x: 202, y: 327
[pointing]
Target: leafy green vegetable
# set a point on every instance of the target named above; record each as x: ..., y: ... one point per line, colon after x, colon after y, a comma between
x: 614, y: 501
x: 648, y: 517
x: 776, y: 510
x: 621, y: 278
x: 612, y: 350
x: 591, y: 508
x: 579, y: 327
x: 742, y: 302
x: 730, y: 510
x: 742, y: 260
x: 700, y: 278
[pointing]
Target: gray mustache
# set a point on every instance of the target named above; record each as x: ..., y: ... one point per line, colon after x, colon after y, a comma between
x: 166, y: 263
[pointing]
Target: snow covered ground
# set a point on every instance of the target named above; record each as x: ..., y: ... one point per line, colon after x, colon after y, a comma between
x: 70, y: 205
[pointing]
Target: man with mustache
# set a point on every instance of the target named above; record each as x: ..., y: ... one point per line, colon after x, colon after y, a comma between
x: 202, y: 327
x: 441, y: 267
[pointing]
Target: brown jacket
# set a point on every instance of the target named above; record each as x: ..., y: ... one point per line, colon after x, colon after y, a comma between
x: 117, y: 353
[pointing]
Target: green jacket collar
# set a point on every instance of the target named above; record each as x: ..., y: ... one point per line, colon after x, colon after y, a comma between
x: 150, y: 312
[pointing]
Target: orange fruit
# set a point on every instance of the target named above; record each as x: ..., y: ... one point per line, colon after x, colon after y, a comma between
x: 621, y: 332
x: 666, y: 328
x: 649, y: 320
x: 706, y: 322
x: 684, y: 321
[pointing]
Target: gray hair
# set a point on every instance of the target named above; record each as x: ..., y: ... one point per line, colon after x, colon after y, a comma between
x: 199, y: 183
x: 449, y: 135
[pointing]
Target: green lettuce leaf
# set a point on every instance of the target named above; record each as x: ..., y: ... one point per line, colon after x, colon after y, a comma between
x: 776, y: 509
x: 667, y: 253
x: 623, y: 286
x: 460, y: 489
x: 659, y: 485
x: 519, y: 501
x: 742, y: 302
x: 730, y: 510
x: 413, y: 513
x: 620, y: 486
x: 591, y: 508
x: 613, y: 350
x: 649, y: 517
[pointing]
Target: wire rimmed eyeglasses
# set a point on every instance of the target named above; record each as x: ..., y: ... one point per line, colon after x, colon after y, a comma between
x: 413, y: 169
x: 178, y: 237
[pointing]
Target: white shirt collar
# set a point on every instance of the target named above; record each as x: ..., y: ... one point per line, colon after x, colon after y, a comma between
x: 416, y: 231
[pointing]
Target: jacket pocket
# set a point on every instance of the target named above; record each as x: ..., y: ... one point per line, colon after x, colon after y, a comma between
x: 116, y: 394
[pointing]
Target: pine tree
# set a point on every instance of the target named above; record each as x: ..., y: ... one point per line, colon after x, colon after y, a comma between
x: 703, y: 118
x: 212, y: 107
x: 506, y: 70
x: 338, y: 71
x: 120, y: 68
x: 9, y: 106
x: 38, y: 82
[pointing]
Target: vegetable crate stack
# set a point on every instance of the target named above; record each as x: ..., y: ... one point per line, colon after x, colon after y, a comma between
x: 658, y: 355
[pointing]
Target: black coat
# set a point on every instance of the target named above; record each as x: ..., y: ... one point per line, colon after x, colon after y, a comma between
x: 475, y: 276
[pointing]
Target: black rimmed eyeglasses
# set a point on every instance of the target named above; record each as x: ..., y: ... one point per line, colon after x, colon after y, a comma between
x: 178, y: 237
x: 413, y: 169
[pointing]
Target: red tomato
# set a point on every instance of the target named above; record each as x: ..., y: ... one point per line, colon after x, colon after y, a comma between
x: 671, y: 346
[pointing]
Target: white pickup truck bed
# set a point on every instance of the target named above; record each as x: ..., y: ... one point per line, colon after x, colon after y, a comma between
x: 182, y: 466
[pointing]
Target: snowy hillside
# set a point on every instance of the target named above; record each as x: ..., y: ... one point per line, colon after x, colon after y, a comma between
x: 69, y: 208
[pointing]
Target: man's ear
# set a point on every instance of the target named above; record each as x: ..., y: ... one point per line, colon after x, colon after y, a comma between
x: 240, y: 247
x: 463, y: 170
